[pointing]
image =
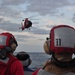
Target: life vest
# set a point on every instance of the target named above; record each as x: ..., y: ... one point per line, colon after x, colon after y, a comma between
x: 43, y: 72
x: 8, y: 66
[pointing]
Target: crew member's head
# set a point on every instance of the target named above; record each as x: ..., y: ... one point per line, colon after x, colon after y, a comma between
x: 24, y: 58
x: 61, y: 42
x: 8, y: 44
x: 8, y: 40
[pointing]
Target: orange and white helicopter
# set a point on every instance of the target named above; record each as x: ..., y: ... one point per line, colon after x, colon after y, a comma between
x: 26, y: 24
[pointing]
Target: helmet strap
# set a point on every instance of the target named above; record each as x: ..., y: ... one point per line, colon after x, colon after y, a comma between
x: 66, y: 64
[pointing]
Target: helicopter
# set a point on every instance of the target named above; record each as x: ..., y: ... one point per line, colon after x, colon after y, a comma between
x: 27, y: 24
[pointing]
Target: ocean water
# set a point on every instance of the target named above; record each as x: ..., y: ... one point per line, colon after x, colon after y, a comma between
x: 38, y: 59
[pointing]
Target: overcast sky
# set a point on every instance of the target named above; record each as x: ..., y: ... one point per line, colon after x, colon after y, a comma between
x: 43, y: 13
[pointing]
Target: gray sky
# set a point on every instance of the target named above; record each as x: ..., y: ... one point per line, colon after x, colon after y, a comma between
x: 43, y: 13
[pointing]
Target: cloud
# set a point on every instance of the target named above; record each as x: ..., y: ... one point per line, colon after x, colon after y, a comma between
x: 73, y: 18
x: 8, y: 26
x: 37, y: 30
x: 50, y: 26
x: 12, y: 2
x: 47, y: 6
x: 9, y: 12
x: 23, y: 38
x: 42, y: 7
x: 44, y: 14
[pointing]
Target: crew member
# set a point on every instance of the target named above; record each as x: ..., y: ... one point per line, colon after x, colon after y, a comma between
x: 61, y: 47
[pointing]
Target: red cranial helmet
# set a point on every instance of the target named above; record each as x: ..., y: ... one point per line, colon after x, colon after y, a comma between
x: 62, y: 39
x: 6, y: 39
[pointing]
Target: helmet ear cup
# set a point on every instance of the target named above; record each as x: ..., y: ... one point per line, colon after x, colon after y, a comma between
x: 46, y: 47
x: 13, y: 41
x: 4, y: 52
x: 13, y: 46
x: 8, y: 49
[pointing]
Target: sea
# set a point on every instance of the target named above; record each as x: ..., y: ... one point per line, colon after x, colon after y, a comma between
x: 38, y: 59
